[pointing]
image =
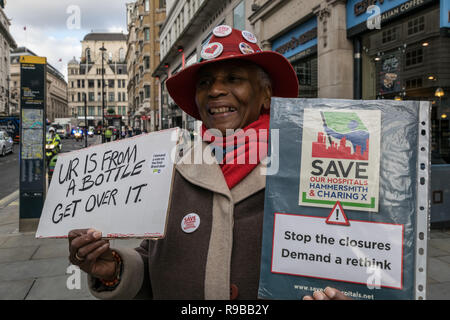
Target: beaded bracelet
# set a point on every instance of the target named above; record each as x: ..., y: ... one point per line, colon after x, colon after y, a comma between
x: 118, y: 271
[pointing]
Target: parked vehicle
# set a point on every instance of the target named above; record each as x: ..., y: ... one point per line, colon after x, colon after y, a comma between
x: 6, y: 143
x: 61, y: 131
x: 63, y: 127
x: 11, y: 125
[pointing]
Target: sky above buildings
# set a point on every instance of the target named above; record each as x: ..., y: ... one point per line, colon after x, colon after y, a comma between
x: 54, y: 28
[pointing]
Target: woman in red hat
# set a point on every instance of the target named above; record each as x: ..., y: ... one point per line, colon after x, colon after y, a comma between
x: 213, y: 242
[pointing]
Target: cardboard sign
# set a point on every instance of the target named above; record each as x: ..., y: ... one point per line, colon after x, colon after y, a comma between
x: 347, y: 207
x: 121, y: 188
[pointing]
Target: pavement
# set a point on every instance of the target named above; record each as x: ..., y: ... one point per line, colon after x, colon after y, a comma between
x: 38, y: 269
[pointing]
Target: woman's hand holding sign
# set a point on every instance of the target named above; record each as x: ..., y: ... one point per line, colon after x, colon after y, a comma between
x: 91, y: 253
x: 327, y: 294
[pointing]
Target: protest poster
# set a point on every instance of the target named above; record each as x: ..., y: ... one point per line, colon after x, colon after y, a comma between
x: 121, y: 188
x: 342, y: 161
x: 348, y: 206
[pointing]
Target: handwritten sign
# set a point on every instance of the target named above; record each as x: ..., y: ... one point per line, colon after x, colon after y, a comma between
x: 121, y: 188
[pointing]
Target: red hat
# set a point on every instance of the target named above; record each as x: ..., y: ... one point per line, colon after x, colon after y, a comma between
x: 226, y: 44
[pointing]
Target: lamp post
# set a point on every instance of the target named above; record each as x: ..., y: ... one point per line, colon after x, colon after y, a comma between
x: 8, y: 110
x: 103, y: 49
x: 85, y: 122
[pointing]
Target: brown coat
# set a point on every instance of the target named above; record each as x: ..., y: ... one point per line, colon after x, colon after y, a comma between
x: 224, y: 250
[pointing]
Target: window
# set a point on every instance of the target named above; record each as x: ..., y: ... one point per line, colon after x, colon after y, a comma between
x: 88, y: 55
x: 147, y: 62
x: 147, y: 91
x: 416, y: 25
x: 414, y: 57
x: 303, y: 71
x: 389, y: 35
x: 122, y: 54
x: 147, y: 5
x: 111, y: 97
x: 99, y: 111
x: 162, y: 4
x: 111, y: 83
x: 147, y: 34
x: 91, y: 84
x: 91, y: 111
x: 91, y: 96
x: 413, y: 83
x: 239, y: 16
x: 188, y: 5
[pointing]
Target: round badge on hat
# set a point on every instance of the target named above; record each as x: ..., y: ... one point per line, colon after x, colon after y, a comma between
x: 250, y: 37
x: 222, y: 31
x: 190, y: 222
x: 212, y: 50
x: 245, y: 48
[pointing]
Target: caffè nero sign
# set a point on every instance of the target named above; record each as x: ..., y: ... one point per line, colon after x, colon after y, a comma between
x: 362, y: 6
x: 358, y: 12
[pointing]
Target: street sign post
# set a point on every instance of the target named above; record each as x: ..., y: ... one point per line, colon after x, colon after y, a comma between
x: 32, y: 140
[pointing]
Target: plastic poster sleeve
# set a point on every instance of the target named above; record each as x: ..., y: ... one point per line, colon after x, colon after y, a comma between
x: 347, y: 199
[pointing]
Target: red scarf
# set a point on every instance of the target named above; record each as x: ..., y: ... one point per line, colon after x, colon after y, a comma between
x: 242, y: 151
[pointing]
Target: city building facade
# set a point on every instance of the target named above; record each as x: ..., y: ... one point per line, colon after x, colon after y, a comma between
x: 57, y: 105
x: 398, y: 49
x: 98, y: 82
x: 144, y: 18
x: 311, y: 34
x: 342, y: 49
x: 6, y: 44
x: 338, y: 48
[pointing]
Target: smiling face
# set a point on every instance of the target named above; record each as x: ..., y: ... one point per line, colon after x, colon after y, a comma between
x: 230, y: 95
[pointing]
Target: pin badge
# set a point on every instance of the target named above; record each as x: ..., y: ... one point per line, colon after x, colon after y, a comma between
x: 245, y: 48
x: 190, y: 223
x: 250, y: 37
x: 212, y: 50
x: 222, y: 31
